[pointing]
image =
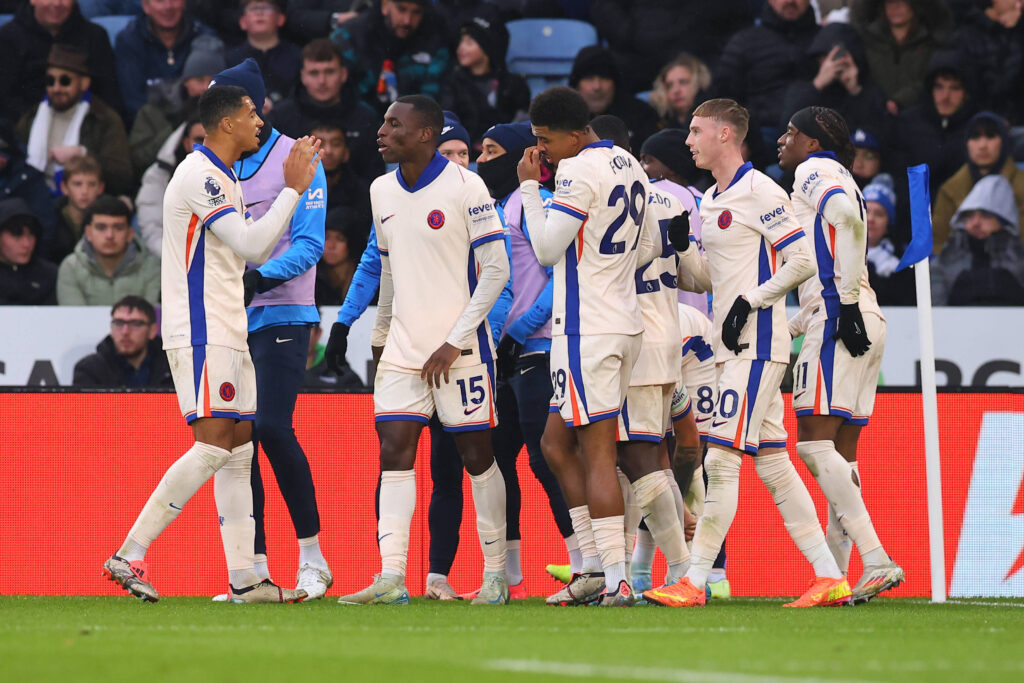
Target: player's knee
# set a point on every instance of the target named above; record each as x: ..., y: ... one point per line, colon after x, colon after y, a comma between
x: 212, y: 455
x: 722, y: 465
x: 648, y: 487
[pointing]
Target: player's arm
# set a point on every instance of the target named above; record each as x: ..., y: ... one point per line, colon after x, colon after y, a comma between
x: 649, y: 246
x: 789, y: 239
x: 851, y: 242
x: 498, y: 315
x: 365, y: 282
x: 382, y: 324
x: 540, y: 312
x: 552, y: 234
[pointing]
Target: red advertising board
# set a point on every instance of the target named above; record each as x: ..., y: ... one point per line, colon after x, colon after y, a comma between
x: 79, y: 467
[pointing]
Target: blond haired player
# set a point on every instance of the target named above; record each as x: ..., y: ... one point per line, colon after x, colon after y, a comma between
x: 208, y: 237
x: 844, y: 334
x: 756, y: 252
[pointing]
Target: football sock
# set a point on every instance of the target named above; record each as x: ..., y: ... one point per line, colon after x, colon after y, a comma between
x: 797, y: 510
x: 631, y: 515
x: 723, y: 470
x: 489, y: 501
x: 838, y: 541
x: 436, y: 578
x: 178, y: 485
x: 643, y: 552
x: 513, y: 563
x: 259, y: 563
x: 612, y: 548
x: 716, y: 575
x: 581, y: 524
x: 232, y: 490
x: 575, y: 557
x: 397, y: 503
x: 838, y: 482
x: 310, y: 553
x: 695, y: 496
x: 654, y: 496
x: 677, y: 496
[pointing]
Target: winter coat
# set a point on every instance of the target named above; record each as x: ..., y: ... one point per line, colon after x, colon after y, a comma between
x: 143, y: 60
x: 994, y: 55
x: 103, y: 136
x: 280, y: 66
x: 899, y: 69
x: 149, y: 202
x: 482, y: 101
x: 18, y: 180
x: 310, y: 19
x: 33, y: 284
x: 107, y: 368
x: 955, y: 190
x: 81, y: 281
x: 167, y: 107
x: 760, y: 62
x: 26, y: 46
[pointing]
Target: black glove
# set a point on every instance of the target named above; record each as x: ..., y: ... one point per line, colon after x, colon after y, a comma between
x: 337, y: 345
x: 679, y: 231
x: 507, y: 356
x: 851, y: 331
x: 733, y: 324
x: 251, y: 282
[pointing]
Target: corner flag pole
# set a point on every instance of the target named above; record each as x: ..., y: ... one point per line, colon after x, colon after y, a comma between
x: 917, y: 255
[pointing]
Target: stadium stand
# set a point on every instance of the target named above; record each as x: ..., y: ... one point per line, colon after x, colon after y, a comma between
x: 543, y: 50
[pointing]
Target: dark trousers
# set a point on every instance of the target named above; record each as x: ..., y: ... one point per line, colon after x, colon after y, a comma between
x: 279, y: 355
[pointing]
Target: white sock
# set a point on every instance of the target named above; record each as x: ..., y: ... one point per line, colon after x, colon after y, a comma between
x: 838, y: 483
x: 612, y: 548
x: 232, y: 490
x: 838, y: 541
x: 695, y: 496
x: 581, y: 524
x: 489, y: 501
x: 513, y: 563
x: 436, y: 578
x: 179, y: 483
x: 654, y: 496
x: 723, y: 468
x: 643, y: 552
x: 716, y: 575
x: 572, y: 546
x: 397, y: 503
x: 677, y: 496
x: 259, y: 564
x: 631, y: 512
x: 310, y: 553
x: 797, y: 509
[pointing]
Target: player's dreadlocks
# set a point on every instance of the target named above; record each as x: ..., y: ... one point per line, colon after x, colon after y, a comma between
x: 829, y: 128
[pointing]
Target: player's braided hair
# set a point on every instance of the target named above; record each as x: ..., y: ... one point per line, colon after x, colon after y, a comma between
x: 829, y: 128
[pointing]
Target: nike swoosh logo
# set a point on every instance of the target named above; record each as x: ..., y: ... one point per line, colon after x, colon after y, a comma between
x: 702, y: 419
x: 379, y: 539
x: 718, y: 424
x: 380, y: 595
x: 282, y: 341
x: 796, y: 396
x: 254, y: 203
x: 385, y: 219
x: 524, y: 371
x: 490, y: 542
x: 467, y: 411
x: 644, y: 518
x: 174, y: 506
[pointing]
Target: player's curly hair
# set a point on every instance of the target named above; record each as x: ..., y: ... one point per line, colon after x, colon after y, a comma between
x: 834, y: 126
x: 560, y: 108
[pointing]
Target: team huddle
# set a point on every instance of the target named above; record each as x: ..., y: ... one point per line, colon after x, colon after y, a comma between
x: 572, y: 276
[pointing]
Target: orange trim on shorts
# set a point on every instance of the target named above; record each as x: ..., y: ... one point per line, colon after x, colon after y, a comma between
x: 738, y: 441
x: 206, y: 390
x: 572, y: 402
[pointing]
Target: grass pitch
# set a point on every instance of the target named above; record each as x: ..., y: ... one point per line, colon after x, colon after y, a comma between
x: 750, y: 641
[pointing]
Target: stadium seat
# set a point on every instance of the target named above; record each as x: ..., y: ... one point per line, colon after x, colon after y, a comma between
x: 113, y: 24
x: 543, y: 50
x: 4, y: 18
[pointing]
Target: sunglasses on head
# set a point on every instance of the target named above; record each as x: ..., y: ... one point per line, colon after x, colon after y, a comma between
x: 64, y: 80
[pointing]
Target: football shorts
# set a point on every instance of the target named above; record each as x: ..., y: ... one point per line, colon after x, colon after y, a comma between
x: 590, y: 375
x: 827, y: 380
x: 213, y: 381
x: 748, y: 414
x: 464, y: 404
x: 645, y: 413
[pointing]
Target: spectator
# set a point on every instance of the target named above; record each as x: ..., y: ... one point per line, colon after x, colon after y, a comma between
x: 78, y: 121
x: 327, y: 94
x: 867, y: 156
x: 21, y: 181
x: 153, y: 47
x: 982, y: 264
x: 988, y: 152
x: 169, y: 104
x: 344, y: 187
x: 319, y: 376
x: 344, y: 242
x: 480, y: 88
x: 454, y: 141
x: 597, y: 78
x: 221, y: 16
x: 28, y: 38
x: 149, y: 203
x: 642, y: 32
x: 25, y: 278
x: 312, y: 19
x: 279, y: 60
x: 131, y: 355
x: 900, y: 37
x: 109, y: 262
x: 81, y: 185
x: 677, y: 89
x: 106, y: 8
x: 838, y: 80
x: 891, y: 288
x: 400, y: 47
x: 990, y: 39
x: 665, y: 156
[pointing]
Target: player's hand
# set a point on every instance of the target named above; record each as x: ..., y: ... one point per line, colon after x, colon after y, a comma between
x: 733, y: 324
x: 529, y: 165
x: 507, y: 356
x: 337, y: 345
x: 679, y: 231
x: 251, y: 282
x: 438, y: 364
x: 300, y: 166
x: 829, y: 69
x: 851, y: 331
x: 689, y: 524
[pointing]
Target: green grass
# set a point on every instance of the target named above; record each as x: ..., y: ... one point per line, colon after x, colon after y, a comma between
x: 185, y: 639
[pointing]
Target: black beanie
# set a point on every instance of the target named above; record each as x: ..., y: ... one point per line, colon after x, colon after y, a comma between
x: 594, y: 60
x: 491, y: 36
x: 669, y: 147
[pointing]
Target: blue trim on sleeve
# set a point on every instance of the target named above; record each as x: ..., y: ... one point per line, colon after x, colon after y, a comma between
x: 217, y: 215
x: 789, y: 240
x: 487, y: 238
x: 578, y: 215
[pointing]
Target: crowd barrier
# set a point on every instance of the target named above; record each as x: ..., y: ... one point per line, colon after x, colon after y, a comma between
x: 79, y: 466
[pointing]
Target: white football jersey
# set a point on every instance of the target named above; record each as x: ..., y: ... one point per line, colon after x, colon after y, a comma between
x: 656, y: 291
x: 817, y: 179
x: 428, y: 233
x: 201, y: 276
x: 744, y: 227
x: 606, y: 190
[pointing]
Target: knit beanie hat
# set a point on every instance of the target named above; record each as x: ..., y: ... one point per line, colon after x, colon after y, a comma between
x: 513, y: 137
x: 669, y: 147
x: 491, y: 36
x: 247, y: 76
x: 594, y: 60
x: 453, y: 129
x: 880, y: 190
x: 203, y: 63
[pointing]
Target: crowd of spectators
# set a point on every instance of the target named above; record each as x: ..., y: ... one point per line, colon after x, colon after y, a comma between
x: 93, y: 125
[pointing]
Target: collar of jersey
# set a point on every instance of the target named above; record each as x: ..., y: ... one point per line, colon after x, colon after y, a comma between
x: 256, y: 159
x: 740, y: 172
x: 216, y: 161
x: 599, y: 143
x: 824, y: 154
x: 431, y: 172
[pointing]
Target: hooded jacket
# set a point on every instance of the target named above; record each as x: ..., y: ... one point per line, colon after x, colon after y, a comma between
x: 18, y: 180
x: 81, y: 281
x: 639, y: 117
x: 995, y: 54
x: 149, y: 202
x: 33, y: 284
x: 107, y: 368
x: 988, y: 272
